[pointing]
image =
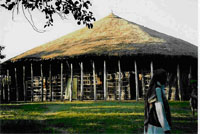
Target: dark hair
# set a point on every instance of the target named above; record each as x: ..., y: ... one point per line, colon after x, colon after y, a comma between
x: 159, y: 75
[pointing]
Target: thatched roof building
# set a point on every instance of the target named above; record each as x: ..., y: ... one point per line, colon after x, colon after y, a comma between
x: 120, y: 43
x: 112, y: 36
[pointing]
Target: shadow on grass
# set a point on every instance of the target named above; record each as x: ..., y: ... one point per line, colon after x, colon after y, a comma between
x: 184, y: 125
x: 24, y: 126
x: 91, y: 124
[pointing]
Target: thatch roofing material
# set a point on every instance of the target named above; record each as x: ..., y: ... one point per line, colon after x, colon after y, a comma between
x: 112, y: 36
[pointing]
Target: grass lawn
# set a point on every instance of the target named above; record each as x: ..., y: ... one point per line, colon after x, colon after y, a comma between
x: 88, y: 117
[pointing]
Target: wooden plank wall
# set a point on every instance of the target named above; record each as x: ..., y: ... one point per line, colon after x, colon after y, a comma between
x: 88, y: 89
x: 56, y: 88
x: 113, y: 90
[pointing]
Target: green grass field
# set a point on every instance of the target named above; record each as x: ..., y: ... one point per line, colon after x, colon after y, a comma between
x: 88, y: 117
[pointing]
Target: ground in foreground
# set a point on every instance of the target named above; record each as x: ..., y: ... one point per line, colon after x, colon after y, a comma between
x: 88, y: 117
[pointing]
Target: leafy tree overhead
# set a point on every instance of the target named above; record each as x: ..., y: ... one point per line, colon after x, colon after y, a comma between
x: 78, y: 8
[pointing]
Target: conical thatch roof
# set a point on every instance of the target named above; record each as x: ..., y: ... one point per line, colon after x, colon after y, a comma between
x: 112, y: 36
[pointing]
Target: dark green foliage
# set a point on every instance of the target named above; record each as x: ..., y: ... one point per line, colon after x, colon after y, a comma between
x: 78, y: 8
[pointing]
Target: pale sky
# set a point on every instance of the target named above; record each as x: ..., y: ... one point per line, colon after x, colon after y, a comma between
x: 177, y: 18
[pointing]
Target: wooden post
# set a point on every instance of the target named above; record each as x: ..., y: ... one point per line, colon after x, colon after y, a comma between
x: 151, y: 69
x: 61, y: 79
x: 31, y: 82
x: 143, y: 85
x: 71, y: 89
x: 189, y: 75
x: 8, y: 83
x: 170, y: 89
x: 179, y: 83
x: 169, y: 77
x: 94, y: 82
x: 1, y: 87
x: 16, y: 85
x: 136, y: 81
x: 46, y: 85
x: 50, y: 83
x: 81, y: 80
x: 105, y: 81
x: 4, y: 91
x: 24, y: 83
x: 42, y: 87
x: 119, y: 82
x: 129, y: 88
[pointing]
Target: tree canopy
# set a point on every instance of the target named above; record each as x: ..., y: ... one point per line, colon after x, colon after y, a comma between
x: 78, y: 8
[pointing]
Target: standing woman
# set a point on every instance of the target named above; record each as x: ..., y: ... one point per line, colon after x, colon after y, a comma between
x: 157, y: 112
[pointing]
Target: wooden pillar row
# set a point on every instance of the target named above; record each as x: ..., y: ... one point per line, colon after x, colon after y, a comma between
x: 105, y: 81
x: 61, y: 79
x: 71, y: 89
x: 81, y: 81
x: 16, y: 85
x: 32, y: 82
x: 94, y: 81
x: 119, y: 82
x: 136, y: 81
